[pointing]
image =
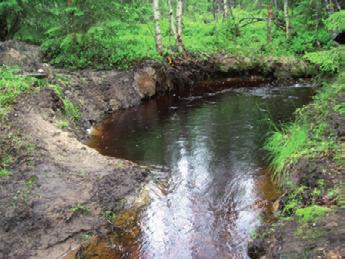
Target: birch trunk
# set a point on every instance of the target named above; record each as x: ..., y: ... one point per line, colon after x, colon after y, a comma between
x: 226, y: 8
x: 179, y: 32
x: 287, y: 18
x: 172, y: 19
x: 156, y: 15
x: 269, y: 24
x: 179, y: 10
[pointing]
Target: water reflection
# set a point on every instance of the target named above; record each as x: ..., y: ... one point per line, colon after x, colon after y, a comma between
x: 213, y: 147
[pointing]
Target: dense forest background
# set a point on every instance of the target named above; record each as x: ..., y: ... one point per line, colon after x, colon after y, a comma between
x: 109, y: 33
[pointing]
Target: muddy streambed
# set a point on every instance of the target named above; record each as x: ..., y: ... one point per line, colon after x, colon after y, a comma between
x: 210, y: 185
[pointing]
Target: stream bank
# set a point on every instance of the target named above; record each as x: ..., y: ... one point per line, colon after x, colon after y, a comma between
x: 310, y: 220
x: 59, y: 190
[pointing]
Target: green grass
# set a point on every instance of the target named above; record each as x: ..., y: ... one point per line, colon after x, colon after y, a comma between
x: 310, y: 135
x: 11, y: 86
x: 285, y: 145
x: 312, y: 213
x: 62, y: 124
x: 69, y: 108
x: 32, y: 181
x: 79, y: 208
x: 5, y: 173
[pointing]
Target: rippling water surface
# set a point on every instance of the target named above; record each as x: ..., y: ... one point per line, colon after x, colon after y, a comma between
x: 215, y: 189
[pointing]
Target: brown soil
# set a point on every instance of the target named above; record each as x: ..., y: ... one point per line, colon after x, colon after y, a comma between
x: 38, y: 219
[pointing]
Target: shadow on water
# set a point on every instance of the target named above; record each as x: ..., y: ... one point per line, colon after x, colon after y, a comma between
x: 217, y: 190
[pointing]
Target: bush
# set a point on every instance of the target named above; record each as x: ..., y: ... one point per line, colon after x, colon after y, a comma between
x: 328, y: 60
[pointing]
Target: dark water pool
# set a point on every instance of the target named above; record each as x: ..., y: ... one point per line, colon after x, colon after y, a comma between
x: 216, y: 190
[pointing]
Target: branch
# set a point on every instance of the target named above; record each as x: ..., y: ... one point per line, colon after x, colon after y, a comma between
x: 251, y: 20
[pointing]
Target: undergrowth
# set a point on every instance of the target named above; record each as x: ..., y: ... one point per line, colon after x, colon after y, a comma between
x: 310, y: 134
x: 121, y: 42
x: 11, y: 86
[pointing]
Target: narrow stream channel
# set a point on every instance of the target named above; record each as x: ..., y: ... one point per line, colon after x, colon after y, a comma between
x: 215, y: 188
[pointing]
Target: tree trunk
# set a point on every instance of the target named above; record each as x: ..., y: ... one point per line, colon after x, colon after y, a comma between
x: 179, y: 29
x: 179, y: 12
x: 172, y: 19
x: 287, y: 18
x: 216, y: 9
x: 275, y: 11
x: 337, y: 5
x: 269, y: 24
x: 156, y: 15
x: 3, y: 27
x: 331, y: 7
x: 226, y: 8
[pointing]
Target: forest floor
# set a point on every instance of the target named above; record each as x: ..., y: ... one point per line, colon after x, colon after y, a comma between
x: 54, y: 190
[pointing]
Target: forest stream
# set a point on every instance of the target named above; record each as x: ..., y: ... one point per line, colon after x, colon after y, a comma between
x: 210, y: 186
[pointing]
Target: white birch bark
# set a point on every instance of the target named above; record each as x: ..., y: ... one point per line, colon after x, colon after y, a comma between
x: 158, y: 34
x: 287, y: 18
x: 179, y: 29
x: 269, y: 23
x: 226, y: 8
x: 172, y: 18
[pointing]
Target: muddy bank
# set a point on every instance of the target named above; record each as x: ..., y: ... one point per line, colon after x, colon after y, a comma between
x: 291, y: 236
x: 315, y: 185
x: 60, y: 189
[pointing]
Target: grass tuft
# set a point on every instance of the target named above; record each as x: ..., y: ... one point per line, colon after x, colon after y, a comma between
x: 62, y: 124
x: 285, y: 145
x: 5, y: 173
x: 11, y: 86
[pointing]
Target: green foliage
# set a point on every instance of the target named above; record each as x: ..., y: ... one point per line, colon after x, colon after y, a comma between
x: 5, y: 173
x: 294, y: 200
x: 109, y: 34
x: 69, y: 108
x: 336, y: 21
x: 32, y: 181
x: 85, y: 236
x: 285, y: 145
x: 311, y: 213
x: 340, y: 108
x: 105, y: 45
x: 328, y: 60
x: 62, y: 124
x: 11, y: 86
x: 309, y: 135
x: 109, y: 215
x: 79, y: 208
